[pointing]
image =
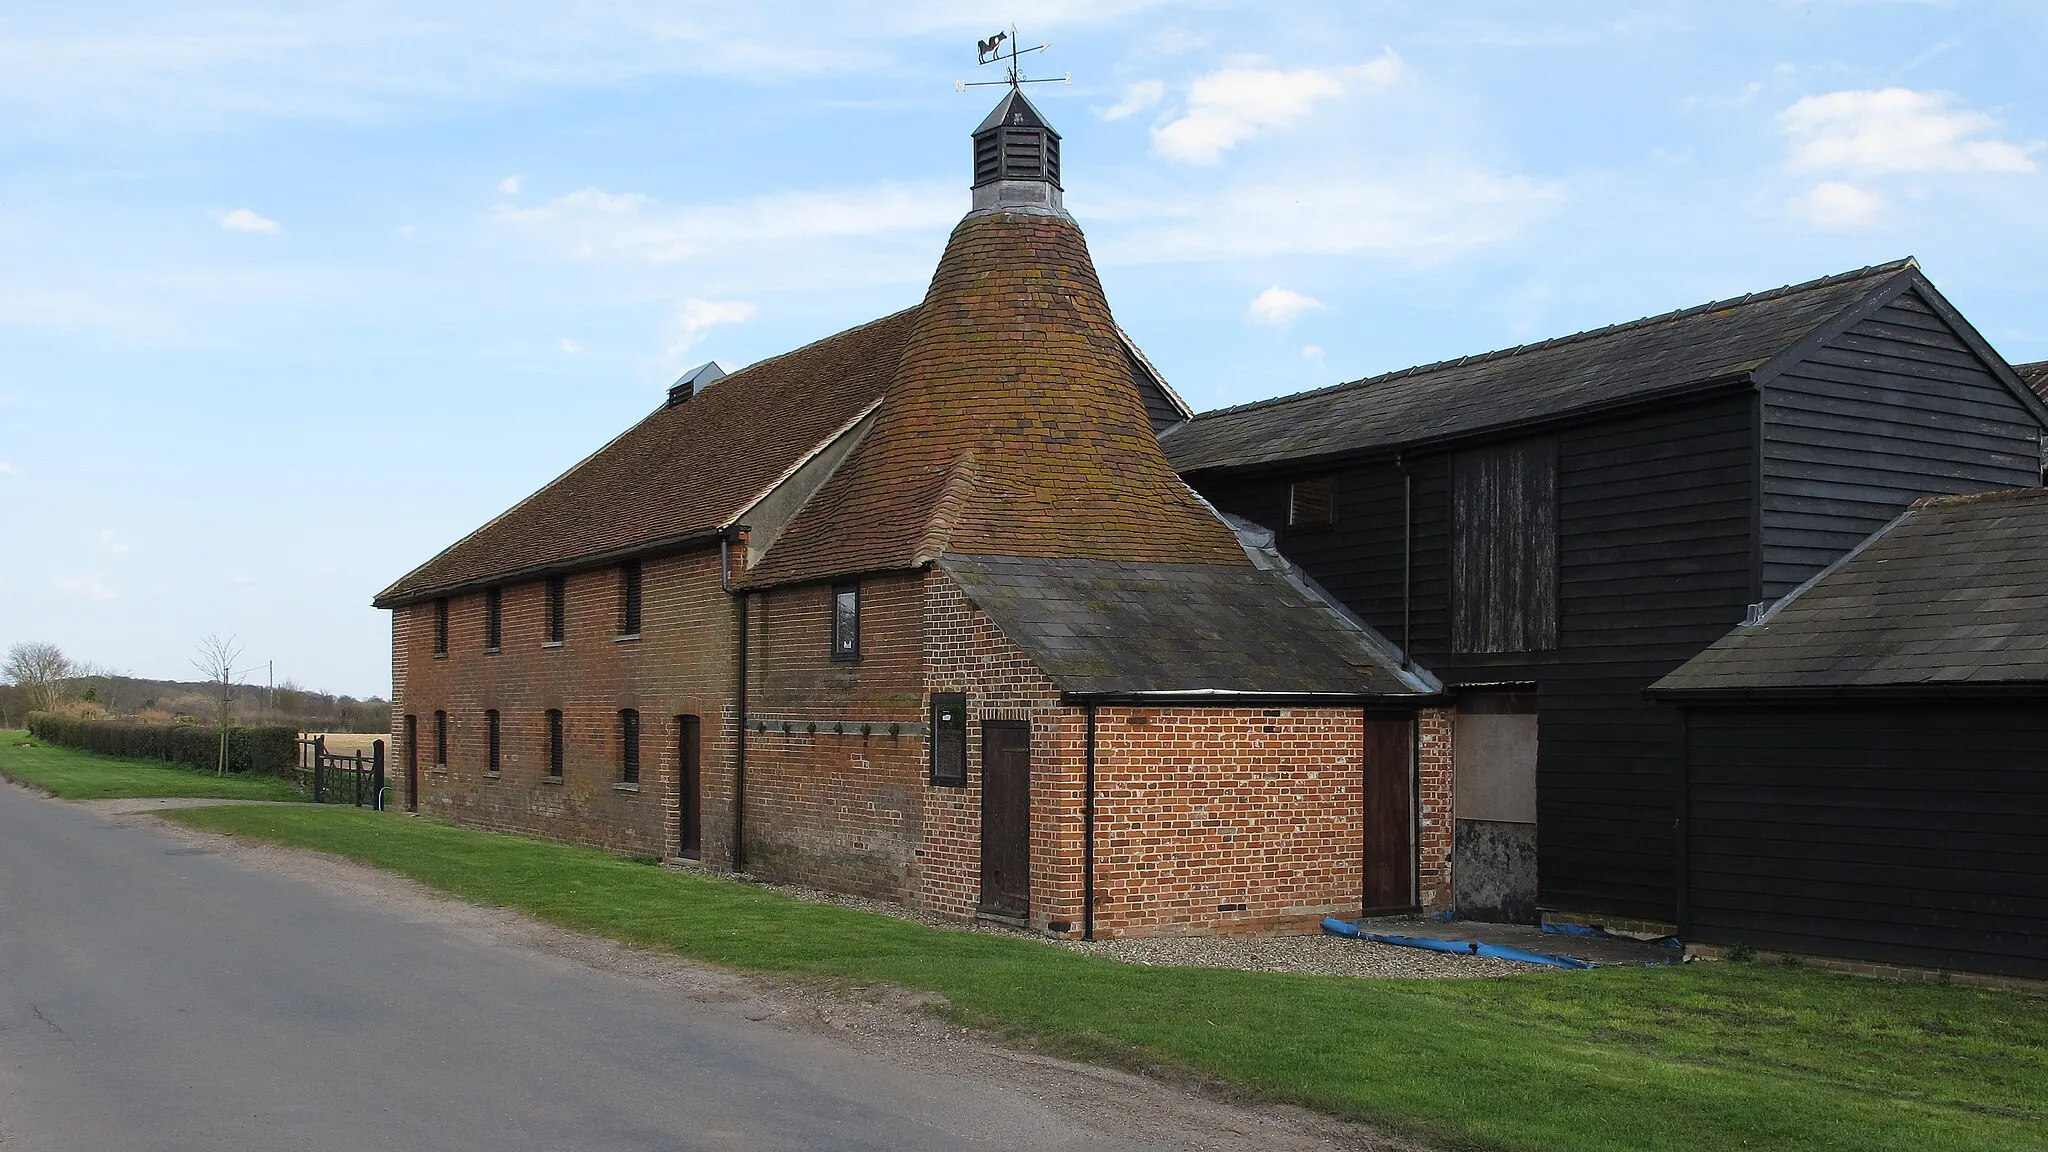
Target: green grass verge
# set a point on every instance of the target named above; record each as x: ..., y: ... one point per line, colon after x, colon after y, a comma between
x: 76, y: 775
x: 1698, y: 1056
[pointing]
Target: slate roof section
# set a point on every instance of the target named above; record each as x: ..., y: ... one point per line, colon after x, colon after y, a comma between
x: 2035, y: 375
x: 1013, y: 427
x: 1101, y: 627
x: 1953, y: 594
x: 1694, y: 347
x: 684, y: 470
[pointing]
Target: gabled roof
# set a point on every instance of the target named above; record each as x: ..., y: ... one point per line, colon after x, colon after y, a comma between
x: 2036, y: 376
x: 1013, y: 427
x: 1724, y: 341
x: 686, y: 470
x: 1952, y: 595
x: 1104, y: 628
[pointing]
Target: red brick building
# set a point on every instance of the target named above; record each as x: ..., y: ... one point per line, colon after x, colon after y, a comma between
x: 920, y: 611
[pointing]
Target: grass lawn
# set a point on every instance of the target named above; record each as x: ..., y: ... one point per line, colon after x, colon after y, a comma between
x: 77, y: 775
x: 1699, y: 1056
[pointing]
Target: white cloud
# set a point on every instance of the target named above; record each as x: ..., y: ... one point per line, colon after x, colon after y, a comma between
x: 1896, y: 130
x: 1422, y: 213
x: 1833, y: 204
x: 1277, y: 305
x: 571, y: 346
x: 594, y: 224
x: 86, y: 586
x: 243, y: 220
x: 695, y: 316
x: 510, y: 185
x: 1136, y: 98
x: 113, y: 545
x: 1313, y: 353
x: 7, y: 469
x: 1227, y: 107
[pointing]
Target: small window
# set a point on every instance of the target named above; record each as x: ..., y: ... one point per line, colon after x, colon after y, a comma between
x: 949, y: 738
x: 629, y: 746
x: 558, y: 609
x: 555, y: 743
x: 494, y: 619
x: 629, y: 599
x: 1312, y: 503
x: 846, y: 622
x: 491, y: 724
x: 441, y: 627
x: 440, y: 739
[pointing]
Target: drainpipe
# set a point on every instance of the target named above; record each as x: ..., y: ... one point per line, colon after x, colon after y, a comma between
x: 739, y: 753
x: 1088, y: 838
x: 1407, y: 563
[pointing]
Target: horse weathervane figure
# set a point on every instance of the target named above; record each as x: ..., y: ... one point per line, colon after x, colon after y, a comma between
x: 990, y: 51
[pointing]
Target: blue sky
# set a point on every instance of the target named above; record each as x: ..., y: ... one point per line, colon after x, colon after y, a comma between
x: 293, y: 296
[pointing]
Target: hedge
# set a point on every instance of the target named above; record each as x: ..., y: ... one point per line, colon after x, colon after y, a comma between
x: 272, y: 751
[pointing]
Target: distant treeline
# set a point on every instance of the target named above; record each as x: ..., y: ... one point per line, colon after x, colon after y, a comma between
x: 178, y: 701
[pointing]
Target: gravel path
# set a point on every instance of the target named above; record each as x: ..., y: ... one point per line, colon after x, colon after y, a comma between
x: 1313, y: 955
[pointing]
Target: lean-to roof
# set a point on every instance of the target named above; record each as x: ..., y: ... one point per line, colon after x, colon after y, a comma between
x: 1951, y: 595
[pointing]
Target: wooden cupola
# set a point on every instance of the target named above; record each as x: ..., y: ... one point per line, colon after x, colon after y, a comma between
x: 1016, y: 158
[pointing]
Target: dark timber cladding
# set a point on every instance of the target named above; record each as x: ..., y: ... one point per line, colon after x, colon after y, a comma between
x: 1896, y: 407
x: 1653, y: 562
x: 1897, y: 835
x: 1503, y: 548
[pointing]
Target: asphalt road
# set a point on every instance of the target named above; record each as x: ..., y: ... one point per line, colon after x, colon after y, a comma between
x: 157, y: 996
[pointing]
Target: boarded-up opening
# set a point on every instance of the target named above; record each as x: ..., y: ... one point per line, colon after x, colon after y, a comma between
x: 1504, y: 548
x: 1493, y: 806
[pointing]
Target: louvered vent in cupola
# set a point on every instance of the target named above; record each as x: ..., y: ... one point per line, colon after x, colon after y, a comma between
x: 1015, y: 143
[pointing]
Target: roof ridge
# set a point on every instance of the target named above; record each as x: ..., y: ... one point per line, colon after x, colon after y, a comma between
x: 1890, y: 267
x: 738, y: 372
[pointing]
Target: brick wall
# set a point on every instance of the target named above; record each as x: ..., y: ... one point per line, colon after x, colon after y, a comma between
x: 1227, y: 819
x: 827, y: 807
x: 1433, y: 769
x: 681, y: 665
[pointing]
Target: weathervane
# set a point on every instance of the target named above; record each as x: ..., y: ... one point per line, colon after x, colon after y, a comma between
x: 990, y: 51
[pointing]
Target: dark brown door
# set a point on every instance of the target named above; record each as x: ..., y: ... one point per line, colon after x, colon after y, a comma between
x: 1389, y: 817
x: 689, y: 800
x: 412, y: 763
x: 1006, y: 817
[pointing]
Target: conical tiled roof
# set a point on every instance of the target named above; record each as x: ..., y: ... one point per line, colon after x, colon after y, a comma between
x: 1012, y: 427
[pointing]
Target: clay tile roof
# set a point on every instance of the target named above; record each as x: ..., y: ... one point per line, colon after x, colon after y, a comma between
x: 1013, y: 427
x: 683, y: 471
x: 2036, y: 376
x: 1951, y: 595
x: 1722, y: 340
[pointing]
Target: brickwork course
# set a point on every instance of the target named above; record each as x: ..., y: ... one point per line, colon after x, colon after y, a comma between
x: 996, y: 435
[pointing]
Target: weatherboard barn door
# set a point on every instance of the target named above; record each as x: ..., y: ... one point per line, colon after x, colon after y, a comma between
x: 1006, y: 817
x: 1389, y: 816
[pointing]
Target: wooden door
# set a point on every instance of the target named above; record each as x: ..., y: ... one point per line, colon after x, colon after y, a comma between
x: 689, y: 782
x: 412, y: 763
x: 1006, y: 817
x: 1389, y: 816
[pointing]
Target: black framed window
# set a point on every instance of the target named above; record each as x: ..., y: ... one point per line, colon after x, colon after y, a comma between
x: 440, y: 738
x: 629, y: 598
x: 555, y: 743
x: 629, y: 746
x: 1312, y: 503
x: 949, y: 738
x: 491, y: 725
x: 441, y: 627
x: 494, y: 619
x: 846, y: 622
x: 558, y: 609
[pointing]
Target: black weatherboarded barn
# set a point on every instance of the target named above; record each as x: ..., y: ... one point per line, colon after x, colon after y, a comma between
x: 1551, y: 528
x: 1866, y: 766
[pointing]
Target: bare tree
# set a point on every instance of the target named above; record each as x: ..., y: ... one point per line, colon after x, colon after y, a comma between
x: 216, y: 660
x: 39, y: 669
